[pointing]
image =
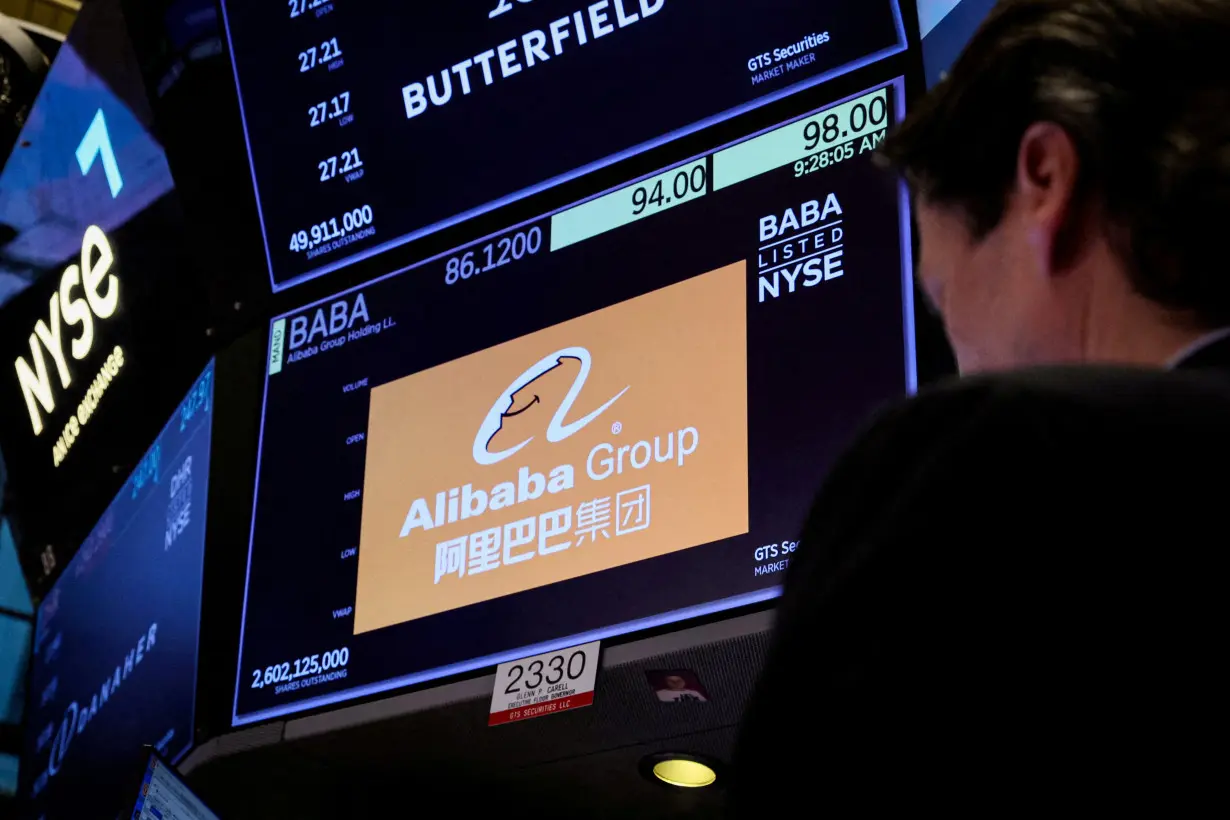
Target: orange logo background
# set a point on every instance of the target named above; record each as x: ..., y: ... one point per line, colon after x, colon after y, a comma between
x: 681, y: 352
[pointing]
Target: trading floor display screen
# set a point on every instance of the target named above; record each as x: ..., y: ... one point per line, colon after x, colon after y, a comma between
x: 370, y: 124
x: 115, y: 648
x: 608, y: 418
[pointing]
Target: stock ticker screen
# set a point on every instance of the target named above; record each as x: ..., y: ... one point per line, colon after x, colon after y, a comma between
x: 372, y: 124
x: 481, y: 456
x: 115, y: 648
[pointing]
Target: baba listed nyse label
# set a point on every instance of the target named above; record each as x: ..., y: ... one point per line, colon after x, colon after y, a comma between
x: 608, y: 439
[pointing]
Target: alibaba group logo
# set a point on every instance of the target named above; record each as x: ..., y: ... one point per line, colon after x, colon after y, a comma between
x: 522, y: 403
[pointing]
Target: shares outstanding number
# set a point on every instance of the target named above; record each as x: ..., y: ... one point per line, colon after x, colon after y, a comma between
x: 552, y: 672
x: 300, y: 668
x: 496, y: 254
x: 331, y: 229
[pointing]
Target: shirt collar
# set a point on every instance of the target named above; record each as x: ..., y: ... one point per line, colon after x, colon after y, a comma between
x: 1196, y: 346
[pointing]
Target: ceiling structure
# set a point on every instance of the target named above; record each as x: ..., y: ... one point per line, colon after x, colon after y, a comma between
x: 56, y: 15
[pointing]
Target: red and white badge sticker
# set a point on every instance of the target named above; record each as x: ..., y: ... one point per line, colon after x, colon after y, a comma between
x: 544, y: 684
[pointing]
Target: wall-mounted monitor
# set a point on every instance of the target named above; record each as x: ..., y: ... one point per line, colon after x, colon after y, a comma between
x: 372, y: 124
x: 608, y: 418
x: 115, y: 648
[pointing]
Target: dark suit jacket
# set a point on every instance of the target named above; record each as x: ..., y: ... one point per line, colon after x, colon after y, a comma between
x: 1011, y: 589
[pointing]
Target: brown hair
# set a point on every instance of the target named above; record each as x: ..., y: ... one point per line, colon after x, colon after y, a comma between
x: 1142, y: 87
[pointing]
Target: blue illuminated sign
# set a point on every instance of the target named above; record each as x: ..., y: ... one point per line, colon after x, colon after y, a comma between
x: 116, y: 641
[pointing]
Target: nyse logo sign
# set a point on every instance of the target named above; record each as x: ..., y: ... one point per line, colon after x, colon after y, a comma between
x: 98, y: 299
x: 88, y: 292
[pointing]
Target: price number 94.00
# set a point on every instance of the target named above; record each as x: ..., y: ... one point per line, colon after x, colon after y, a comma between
x: 684, y: 184
x: 552, y: 671
x: 848, y: 121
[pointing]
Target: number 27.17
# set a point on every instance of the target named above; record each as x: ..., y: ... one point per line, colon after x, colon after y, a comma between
x: 322, y: 112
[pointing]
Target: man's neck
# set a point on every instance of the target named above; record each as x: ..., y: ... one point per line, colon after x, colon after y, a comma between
x: 1145, y: 347
x: 1134, y: 331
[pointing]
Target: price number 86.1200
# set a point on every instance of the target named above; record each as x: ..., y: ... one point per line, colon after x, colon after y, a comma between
x: 496, y: 254
x: 554, y: 670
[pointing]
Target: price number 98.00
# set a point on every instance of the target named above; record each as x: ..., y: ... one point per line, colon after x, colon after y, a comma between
x: 849, y: 121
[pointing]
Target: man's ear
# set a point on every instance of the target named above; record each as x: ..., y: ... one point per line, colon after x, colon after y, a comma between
x: 1047, y: 174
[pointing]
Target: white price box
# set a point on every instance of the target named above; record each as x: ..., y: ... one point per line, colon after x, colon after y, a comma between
x: 544, y: 684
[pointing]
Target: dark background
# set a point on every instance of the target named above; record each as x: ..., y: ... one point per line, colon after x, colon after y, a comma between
x: 684, y: 64
x: 820, y: 360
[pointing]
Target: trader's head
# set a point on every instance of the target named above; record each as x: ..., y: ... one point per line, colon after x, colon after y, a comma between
x: 1072, y: 182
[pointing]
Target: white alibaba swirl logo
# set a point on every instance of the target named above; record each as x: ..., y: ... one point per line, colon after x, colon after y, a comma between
x: 558, y: 429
